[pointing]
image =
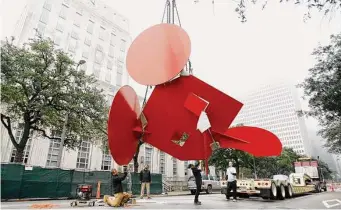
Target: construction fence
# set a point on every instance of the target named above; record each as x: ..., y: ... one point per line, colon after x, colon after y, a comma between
x: 18, y: 181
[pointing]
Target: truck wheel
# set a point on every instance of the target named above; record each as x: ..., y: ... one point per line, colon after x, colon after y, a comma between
x: 281, y: 192
x: 209, y: 189
x: 318, y: 188
x: 288, y: 191
x: 273, y: 191
x: 192, y: 192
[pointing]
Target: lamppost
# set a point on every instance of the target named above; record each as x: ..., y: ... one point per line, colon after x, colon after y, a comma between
x: 129, y: 183
x: 63, y: 136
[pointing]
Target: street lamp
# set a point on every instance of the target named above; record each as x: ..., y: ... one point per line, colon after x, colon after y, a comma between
x: 63, y: 136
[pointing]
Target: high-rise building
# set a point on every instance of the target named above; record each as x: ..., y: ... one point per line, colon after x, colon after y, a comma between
x: 92, y: 31
x: 87, y: 30
x: 274, y: 108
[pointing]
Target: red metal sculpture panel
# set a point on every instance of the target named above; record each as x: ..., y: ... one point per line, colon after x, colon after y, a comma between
x: 184, y: 116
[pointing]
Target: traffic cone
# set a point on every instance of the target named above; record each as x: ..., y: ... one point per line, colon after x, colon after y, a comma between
x: 98, y: 194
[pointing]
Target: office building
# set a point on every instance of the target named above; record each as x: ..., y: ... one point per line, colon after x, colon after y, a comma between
x: 274, y: 108
x: 92, y: 31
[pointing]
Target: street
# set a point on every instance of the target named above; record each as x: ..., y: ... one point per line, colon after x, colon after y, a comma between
x: 327, y: 200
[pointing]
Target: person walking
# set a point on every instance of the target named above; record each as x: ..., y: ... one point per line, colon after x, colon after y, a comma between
x: 231, y: 182
x: 198, y: 181
x: 145, y: 179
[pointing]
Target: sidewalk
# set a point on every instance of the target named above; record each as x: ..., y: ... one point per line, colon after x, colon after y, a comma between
x: 174, y: 193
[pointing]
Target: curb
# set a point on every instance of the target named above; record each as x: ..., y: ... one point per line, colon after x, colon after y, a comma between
x: 50, y: 199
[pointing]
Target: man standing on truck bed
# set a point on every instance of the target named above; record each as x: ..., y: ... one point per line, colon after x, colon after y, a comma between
x: 198, y: 181
x: 231, y: 182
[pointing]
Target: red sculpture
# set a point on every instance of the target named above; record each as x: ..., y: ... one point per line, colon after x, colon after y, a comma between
x: 184, y: 117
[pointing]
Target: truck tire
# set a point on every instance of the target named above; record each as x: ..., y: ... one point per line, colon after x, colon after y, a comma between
x: 318, y: 188
x: 288, y: 191
x: 209, y: 189
x: 193, y: 192
x: 281, y: 192
x: 273, y: 191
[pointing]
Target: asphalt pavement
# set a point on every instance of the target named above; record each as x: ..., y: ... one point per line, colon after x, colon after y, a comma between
x: 326, y: 200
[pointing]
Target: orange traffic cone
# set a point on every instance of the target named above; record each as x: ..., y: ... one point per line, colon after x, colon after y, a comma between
x: 98, y: 194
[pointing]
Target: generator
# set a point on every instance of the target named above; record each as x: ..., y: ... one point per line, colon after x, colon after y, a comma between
x: 83, y: 195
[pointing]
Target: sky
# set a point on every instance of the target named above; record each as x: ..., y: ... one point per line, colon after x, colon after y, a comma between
x: 274, y: 44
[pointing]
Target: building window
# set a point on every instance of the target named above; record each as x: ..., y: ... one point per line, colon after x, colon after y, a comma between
x: 41, y: 29
x: 106, y: 162
x: 85, y: 53
x: 111, y: 51
x: 87, y: 41
x: 63, y: 12
x: 72, y: 46
x: 97, y: 70
x: 90, y: 27
x: 102, y: 33
x: 48, y: 5
x: 99, y: 55
x: 108, y: 76
x: 110, y: 65
x: 113, y: 39
x: 57, y: 40
x: 44, y: 18
x: 52, y: 156
x: 77, y: 21
x: 148, y: 156
x: 83, y: 155
x: 120, y: 69
x: 162, y: 163
x: 66, y: 2
x: 18, y: 135
x: 175, y: 166
x: 60, y: 26
x: 186, y: 166
x: 123, y: 45
x: 74, y: 35
x: 119, y: 80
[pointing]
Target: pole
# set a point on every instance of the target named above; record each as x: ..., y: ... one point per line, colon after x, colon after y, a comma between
x: 254, y: 167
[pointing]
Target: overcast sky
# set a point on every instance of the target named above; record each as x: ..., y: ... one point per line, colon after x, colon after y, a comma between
x: 235, y: 57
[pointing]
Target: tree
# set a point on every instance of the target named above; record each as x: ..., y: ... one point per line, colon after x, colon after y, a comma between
x: 283, y: 164
x: 220, y: 159
x: 264, y: 167
x: 323, y: 88
x: 40, y: 87
x: 324, y: 6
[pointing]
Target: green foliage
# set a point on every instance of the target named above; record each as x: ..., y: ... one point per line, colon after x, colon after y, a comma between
x: 323, y: 88
x: 265, y: 166
x: 41, y: 86
x: 324, y: 6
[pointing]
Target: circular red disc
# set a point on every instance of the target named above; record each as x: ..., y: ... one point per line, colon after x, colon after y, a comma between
x: 124, y: 111
x: 158, y: 54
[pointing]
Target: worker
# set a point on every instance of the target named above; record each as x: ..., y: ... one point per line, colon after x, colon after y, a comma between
x: 198, y: 181
x: 121, y: 198
x: 231, y: 182
x: 145, y: 180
